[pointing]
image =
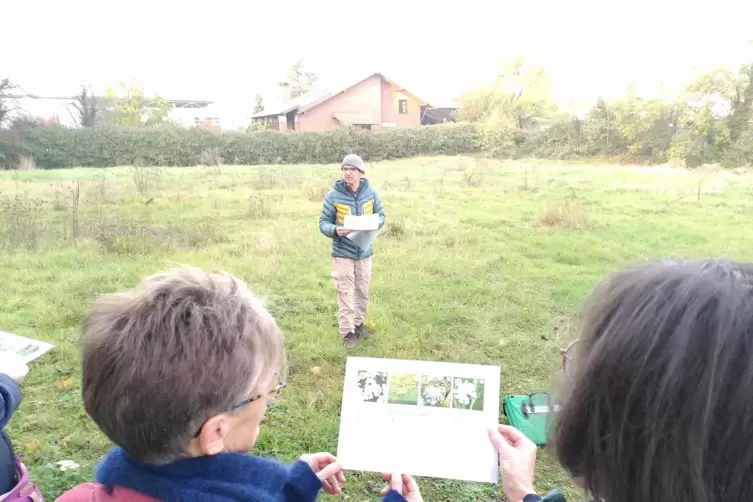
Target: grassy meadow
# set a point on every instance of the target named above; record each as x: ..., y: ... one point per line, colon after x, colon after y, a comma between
x: 480, y: 262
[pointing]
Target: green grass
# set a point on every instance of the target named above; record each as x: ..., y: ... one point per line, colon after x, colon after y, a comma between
x: 489, y: 271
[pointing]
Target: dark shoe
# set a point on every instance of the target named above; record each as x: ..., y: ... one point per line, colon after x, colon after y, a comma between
x: 362, y: 332
x: 350, y: 340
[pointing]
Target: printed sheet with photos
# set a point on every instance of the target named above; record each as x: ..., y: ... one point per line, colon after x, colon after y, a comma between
x: 419, y: 417
x: 17, y: 351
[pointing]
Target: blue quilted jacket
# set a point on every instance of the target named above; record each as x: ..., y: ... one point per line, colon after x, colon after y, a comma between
x: 338, y: 203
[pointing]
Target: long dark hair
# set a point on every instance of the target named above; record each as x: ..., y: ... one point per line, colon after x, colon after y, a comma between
x: 660, y: 406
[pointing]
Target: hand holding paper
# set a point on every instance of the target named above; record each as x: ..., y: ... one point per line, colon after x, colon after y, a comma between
x: 13, y: 366
x: 517, y: 460
x: 328, y: 470
x: 405, y: 485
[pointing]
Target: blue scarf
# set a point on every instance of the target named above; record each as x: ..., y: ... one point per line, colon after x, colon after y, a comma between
x: 226, y: 477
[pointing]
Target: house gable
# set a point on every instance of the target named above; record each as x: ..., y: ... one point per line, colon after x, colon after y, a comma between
x: 371, y: 101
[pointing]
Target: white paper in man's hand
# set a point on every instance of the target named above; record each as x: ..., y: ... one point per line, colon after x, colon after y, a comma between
x: 419, y: 417
x: 366, y: 222
x: 363, y: 239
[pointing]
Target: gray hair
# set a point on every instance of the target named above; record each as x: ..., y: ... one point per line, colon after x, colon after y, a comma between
x: 161, y: 359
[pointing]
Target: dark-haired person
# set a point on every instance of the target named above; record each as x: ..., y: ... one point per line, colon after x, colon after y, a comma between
x: 659, y: 404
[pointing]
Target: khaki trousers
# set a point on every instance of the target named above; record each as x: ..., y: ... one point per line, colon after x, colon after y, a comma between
x: 352, y: 283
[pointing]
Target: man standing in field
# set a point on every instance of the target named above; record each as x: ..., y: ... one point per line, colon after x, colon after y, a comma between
x: 351, y: 195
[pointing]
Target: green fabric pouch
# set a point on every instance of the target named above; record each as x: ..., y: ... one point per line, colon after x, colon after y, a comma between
x: 531, y: 414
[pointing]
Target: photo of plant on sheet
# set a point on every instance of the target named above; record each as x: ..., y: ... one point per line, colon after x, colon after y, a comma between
x: 372, y: 386
x: 436, y: 391
x: 403, y: 389
x: 468, y: 394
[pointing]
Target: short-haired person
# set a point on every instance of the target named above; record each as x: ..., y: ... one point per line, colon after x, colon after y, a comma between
x: 352, y: 195
x: 178, y: 373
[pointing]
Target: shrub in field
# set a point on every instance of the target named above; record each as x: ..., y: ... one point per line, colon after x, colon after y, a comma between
x: 315, y: 192
x: 101, y: 187
x: 119, y: 234
x: 21, y: 222
x: 276, y: 178
x: 568, y: 214
x: 259, y: 207
x: 147, y: 179
x: 395, y: 228
x: 210, y: 157
x: 473, y: 179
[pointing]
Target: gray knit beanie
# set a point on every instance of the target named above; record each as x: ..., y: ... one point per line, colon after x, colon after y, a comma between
x: 354, y: 160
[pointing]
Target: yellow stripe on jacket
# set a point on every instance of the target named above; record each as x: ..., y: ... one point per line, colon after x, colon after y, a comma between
x: 368, y: 208
x: 342, y: 211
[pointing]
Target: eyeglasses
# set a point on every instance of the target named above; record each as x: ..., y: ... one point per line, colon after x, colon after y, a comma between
x: 274, y: 392
x: 569, y: 355
x: 349, y: 169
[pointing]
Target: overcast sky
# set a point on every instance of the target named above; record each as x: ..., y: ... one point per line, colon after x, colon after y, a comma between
x: 228, y: 50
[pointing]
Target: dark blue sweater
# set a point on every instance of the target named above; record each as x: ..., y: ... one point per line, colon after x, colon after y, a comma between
x: 10, y: 398
x: 220, y: 478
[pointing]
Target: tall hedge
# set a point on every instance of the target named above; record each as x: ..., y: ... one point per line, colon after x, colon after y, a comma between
x: 60, y: 147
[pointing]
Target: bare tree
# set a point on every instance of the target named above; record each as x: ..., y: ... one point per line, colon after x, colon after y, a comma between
x: 5, y: 99
x: 87, y: 107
